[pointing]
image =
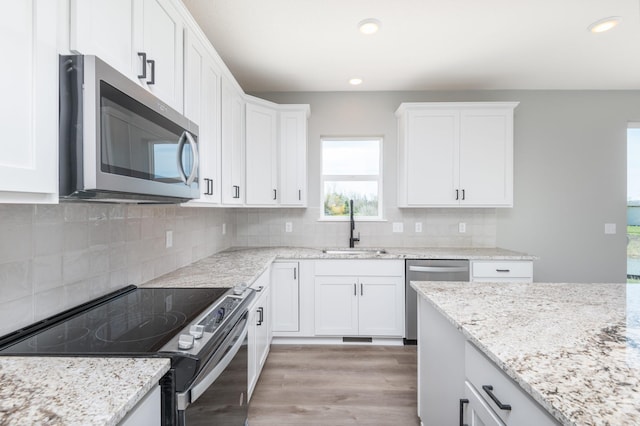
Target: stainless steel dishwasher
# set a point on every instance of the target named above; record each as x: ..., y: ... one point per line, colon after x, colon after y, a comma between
x: 427, y: 270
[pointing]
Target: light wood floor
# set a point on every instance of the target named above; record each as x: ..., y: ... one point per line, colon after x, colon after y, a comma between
x: 336, y: 385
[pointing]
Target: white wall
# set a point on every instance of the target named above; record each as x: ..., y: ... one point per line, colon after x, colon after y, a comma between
x: 570, y: 172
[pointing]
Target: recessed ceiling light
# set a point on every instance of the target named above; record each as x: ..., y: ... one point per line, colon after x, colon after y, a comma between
x: 355, y: 81
x: 604, y: 24
x: 369, y: 26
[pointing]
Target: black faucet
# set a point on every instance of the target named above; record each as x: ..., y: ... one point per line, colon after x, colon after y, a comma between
x: 352, y: 227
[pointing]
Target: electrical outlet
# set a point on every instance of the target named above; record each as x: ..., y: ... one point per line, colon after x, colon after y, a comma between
x: 462, y: 227
x: 169, y: 239
x: 224, y: 228
x: 418, y: 226
x: 609, y: 228
x: 398, y: 227
x: 288, y: 227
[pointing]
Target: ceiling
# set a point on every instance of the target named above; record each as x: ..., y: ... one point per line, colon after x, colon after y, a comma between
x: 315, y: 45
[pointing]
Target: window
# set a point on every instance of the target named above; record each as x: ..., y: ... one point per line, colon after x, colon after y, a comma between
x: 351, y: 170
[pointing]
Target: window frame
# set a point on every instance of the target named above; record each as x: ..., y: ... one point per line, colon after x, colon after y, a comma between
x: 353, y: 178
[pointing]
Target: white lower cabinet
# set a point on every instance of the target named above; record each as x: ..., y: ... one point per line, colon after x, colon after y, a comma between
x: 457, y: 384
x: 147, y: 411
x: 259, y: 332
x: 368, y: 302
x: 285, y: 296
x: 502, y: 271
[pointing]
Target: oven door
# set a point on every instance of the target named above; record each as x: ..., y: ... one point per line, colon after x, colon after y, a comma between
x: 218, y: 395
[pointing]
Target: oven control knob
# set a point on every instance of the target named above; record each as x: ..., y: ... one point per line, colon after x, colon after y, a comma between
x: 239, y: 288
x: 196, y: 331
x: 185, y: 341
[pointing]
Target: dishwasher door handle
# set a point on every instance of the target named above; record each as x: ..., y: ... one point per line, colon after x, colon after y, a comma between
x: 438, y: 269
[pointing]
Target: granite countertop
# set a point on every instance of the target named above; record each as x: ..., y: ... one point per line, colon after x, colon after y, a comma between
x: 74, y: 391
x: 245, y: 265
x: 575, y: 348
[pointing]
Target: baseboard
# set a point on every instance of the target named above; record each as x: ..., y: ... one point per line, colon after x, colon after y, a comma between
x: 375, y: 341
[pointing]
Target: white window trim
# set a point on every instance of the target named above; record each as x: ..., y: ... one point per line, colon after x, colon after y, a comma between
x: 377, y: 178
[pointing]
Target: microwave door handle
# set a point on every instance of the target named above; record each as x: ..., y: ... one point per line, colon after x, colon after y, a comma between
x: 186, y: 137
x: 196, y: 158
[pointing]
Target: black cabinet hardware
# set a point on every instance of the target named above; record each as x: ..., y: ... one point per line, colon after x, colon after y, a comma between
x: 361, y: 289
x: 463, y: 195
x: 236, y: 191
x: 261, y: 315
x: 275, y: 194
x: 153, y: 72
x: 143, y: 56
x: 299, y: 194
x: 503, y: 270
x: 462, y: 402
x: 489, y: 390
x: 295, y: 274
x: 457, y: 194
x: 355, y: 289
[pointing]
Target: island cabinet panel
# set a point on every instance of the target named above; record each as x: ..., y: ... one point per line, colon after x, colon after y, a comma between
x: 359, y: 298
x: 440, y: 367
x: 29, y: 111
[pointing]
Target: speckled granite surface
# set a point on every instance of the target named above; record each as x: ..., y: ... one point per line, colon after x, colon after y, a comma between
x: 237, y: 265
x: 74, y: 391
x: 575, y: 348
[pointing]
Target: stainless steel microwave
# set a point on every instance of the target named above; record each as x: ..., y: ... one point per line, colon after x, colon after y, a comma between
x: 119, y: 142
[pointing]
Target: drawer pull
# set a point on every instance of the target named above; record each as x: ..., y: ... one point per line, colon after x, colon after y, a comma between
x: 489, y: 390
x: 462, y: 402
x: 503, y: 270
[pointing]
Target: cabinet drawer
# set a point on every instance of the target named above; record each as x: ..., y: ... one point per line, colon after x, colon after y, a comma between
x: 504, y: 269
x: 380, y: 268
x: 524, y: 411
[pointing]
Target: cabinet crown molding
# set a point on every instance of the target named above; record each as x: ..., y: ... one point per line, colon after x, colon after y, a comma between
x: 407, y: 106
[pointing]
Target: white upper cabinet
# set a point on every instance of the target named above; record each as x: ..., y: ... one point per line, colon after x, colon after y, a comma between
x: 293, y: 155
x: 141, y: 38
x: 261, y: 153
x: 232, y: 143
x: 455, y: 154
x: 29, y: 87
x: 202, y: 106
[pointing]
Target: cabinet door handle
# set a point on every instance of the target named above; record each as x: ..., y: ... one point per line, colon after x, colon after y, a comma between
x: 355, y: 289
x: 463, y: 195
x: 275, y: 194
x: 361, y: 289
x: 295, y: 273
x: 503, y: 270
x: 299, y: 194
x: 462, y: 402
x: 457, y: 194
x: 236, y: 191
x: 261, y: 317
x: 489, y: 390
x: 143, y: 56
x: 153, y: 72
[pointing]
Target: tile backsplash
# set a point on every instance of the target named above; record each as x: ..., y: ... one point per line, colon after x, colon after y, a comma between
x: 53, y: 257
x: 266, y: 227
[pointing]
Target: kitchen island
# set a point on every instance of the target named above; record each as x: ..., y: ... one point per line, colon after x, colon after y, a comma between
x: 574, y: 349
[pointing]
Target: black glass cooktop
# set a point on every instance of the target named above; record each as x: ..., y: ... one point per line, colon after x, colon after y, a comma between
x: 140, y: 321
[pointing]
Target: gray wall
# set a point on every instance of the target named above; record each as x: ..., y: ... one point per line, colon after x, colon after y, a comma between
x: 570, y: 171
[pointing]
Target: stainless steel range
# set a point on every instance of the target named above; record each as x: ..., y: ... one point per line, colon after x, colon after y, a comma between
x: 202, y: 330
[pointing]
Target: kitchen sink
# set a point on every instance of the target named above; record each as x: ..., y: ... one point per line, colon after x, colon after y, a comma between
x: 355, y: 251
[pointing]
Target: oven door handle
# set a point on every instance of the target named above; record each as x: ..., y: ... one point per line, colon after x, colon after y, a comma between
x: 203, y: 383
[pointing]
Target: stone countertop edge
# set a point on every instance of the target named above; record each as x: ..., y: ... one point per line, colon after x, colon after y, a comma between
x: 74, y: 390
x: 496, y: 360
x: 237, y: 265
